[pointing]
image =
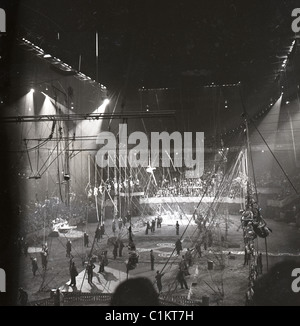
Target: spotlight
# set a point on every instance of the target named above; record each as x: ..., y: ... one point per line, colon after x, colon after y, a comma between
x: 103, y: 106
x: 32, y: 90
x: 106, y: 102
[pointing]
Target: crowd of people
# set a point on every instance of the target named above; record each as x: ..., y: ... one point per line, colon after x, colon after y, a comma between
x: 39, y: 214
x: 279, y: 184
x: 252, y: 223
x: 103, y: 257
x: 112, y: 187
x: 184, y: 187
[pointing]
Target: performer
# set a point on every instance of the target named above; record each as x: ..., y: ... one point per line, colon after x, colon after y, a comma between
x: 115, y: 250
x: 121, y: 246
x: 158, y: 277
x: 86, y: 239
x: 73, y: 274
x: 68, y: 248
x: 98, y: 234
x: 178, y: 246
x: 177, y: 228
x: 152, y: 259
x: 89, y: 270
x: 181, y: 279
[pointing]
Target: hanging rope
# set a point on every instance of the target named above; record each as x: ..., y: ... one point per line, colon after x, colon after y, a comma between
x: 28, y: 156
x: 280, y: 166
x: 222, y: 187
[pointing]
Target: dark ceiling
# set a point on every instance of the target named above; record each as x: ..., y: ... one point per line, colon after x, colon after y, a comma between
x: 163, y: 43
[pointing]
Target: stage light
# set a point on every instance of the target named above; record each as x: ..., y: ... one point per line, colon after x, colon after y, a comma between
x: 32, y: 90
x: 103, y: 106
x: 106, y: 102
x: 47, y: 56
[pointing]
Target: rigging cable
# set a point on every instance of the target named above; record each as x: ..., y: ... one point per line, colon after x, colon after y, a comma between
x: 280, y: 166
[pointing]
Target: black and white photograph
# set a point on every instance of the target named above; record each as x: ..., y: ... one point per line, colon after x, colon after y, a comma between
x: 150, y: 155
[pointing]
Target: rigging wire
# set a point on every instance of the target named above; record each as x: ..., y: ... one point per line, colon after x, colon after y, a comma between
x: 28, y: 157
x: 277, y: 161
x: 217, y: 195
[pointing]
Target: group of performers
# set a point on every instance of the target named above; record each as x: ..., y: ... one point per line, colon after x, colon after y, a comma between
x: 253, y: 226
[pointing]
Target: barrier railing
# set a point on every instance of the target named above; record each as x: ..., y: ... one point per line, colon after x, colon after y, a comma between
x: 180, y: 300
x: 104, y: 298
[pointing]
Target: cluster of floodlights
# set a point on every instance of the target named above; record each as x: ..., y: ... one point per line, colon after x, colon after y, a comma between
x: 56, y: 62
